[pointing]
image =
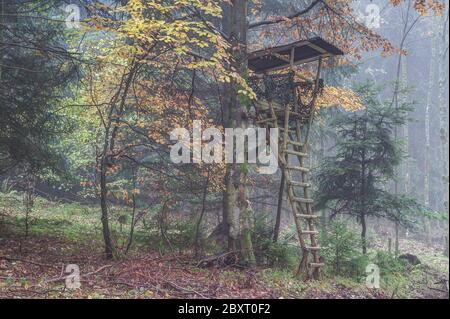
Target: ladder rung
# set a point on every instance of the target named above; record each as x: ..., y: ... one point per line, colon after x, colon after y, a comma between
x: 310, y: 232
x: 266, y: 120
x: 300, y: 184
x: 306, y: 216
x: 299, y: 168
x: 282, y: 129
x: 295, y: 143
x: 280, y: 109
x: 316, y: 265
x: 304, y: 200
x: 313, y: 248
x: 296, y: 153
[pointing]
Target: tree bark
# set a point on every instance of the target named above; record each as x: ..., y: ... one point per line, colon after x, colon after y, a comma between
x: 229, y: 199
x: 133, y: 215
x: 30, y: 183
x: 2, y: 14
x: 446, y: 246
x: 202, y: 213
x: 363, y: 198
x: 245, y: 214
x: 363, y: 234
x: 109, y: 251
x: 405, y: 132
x: 443, y: 108
x: 235, y: 20
x: 397, y: 243
x: 428, y: 137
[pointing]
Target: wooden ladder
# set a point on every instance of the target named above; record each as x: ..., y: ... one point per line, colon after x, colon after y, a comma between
x: 293, y: 139
x: 298, y: 191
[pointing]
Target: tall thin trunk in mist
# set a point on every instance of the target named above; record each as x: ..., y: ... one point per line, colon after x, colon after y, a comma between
x: 443, y: 107
x: 405, y: 130
x: 428, y: 106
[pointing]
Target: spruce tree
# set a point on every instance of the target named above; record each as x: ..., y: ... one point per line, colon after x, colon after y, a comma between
x: 366, y: 153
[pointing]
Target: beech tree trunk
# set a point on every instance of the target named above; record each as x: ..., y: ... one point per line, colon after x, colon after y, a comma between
x: 427, y: 136
x: 235, y: 197
x: 443, y: 107
x: 405, y: 131
x: 245, y: 213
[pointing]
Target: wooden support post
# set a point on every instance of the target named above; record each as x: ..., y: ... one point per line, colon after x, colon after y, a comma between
x: 397, y: 239
x: 446, y: 245
x: 276, y: 231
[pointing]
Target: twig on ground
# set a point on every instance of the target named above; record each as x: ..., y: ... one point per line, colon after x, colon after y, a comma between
x: 185, y: 289
x: 210, y: 260
x: 27, y: 261
x: 36, y: 292
x: 60, y: 278
x: 437, y: 289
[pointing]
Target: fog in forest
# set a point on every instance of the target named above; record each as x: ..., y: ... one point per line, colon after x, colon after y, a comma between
x: 102, y: 108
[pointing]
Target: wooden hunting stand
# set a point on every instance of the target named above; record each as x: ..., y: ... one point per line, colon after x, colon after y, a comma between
x: 290, y: 105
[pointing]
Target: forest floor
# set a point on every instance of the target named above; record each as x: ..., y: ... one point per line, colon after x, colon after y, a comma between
x: 34, y: 267
x: 38, y: 271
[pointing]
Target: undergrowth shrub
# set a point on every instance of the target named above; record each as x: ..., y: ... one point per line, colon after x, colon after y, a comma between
x: 394, y: 274
x: 341, y: 250
x: 262, y: 234
x: 388, y: 263
x: 281, y: 254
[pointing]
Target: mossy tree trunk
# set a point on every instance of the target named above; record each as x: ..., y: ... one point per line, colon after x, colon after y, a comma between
x: 236, y: 213
x: 247, y: 255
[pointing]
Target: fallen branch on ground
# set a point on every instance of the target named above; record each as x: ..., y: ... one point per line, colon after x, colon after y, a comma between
x: 27, y: 261
x: 185, y: 289
x: 61, y: 278
x: 217, y: 258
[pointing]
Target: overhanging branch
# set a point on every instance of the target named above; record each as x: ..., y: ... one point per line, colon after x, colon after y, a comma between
x: 281, y: 19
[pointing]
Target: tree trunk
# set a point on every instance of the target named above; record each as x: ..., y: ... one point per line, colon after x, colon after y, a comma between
x: 405, y: 132
x: 106, y: 160
x: 30, y: 183
x: 235, y: 20
x: 229, y: 199
x: 427, y: 136
x: 401, y: 71
x: 133, y: 215
x: 363, y: 198
x: 202, y: 213
x: 446, y: 246
x: 104, y: 207
x: 245, y: 213
x: 2, y: 24
x: 363, y: 233
x: 427, y: 124
x: 443, y: 108
x: 397, y: 243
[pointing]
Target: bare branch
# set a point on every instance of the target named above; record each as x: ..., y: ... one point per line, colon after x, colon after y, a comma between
x: 281, y: 19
